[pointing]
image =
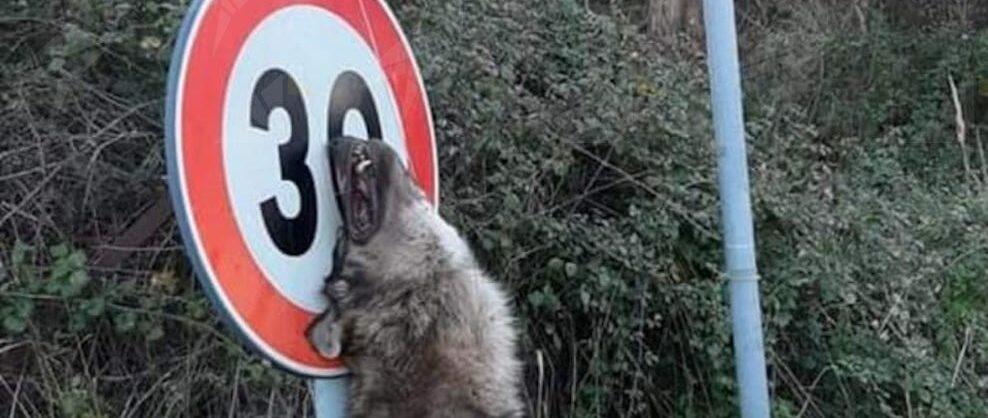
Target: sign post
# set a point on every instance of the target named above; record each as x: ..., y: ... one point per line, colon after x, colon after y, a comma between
x: 257, y: 90
x: 329, y: 397
x: 739, y: 235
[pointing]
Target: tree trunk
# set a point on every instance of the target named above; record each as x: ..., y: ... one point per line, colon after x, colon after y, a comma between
x: 968, y: 14
x: 669, y: 18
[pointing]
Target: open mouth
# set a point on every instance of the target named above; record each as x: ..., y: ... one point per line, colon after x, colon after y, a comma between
x: 361, y: 196
x: 357, y: 194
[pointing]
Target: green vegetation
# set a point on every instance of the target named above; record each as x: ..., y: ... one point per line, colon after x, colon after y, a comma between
x: 577, y: 157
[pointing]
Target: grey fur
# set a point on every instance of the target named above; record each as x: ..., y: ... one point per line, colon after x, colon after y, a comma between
x: 423, y: 329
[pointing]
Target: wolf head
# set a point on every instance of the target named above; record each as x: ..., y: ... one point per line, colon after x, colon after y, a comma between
x: 372, y: 186
x: 390, y: 230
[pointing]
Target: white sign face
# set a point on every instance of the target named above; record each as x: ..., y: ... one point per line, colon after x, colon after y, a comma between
x: 253, y: 176
x: 256, y: 93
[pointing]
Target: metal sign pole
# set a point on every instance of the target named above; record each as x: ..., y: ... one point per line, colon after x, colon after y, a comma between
x: 329, y: 397
x: 739, y: 243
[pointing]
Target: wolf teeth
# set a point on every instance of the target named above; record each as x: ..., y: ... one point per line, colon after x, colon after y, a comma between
x: 361, y: 166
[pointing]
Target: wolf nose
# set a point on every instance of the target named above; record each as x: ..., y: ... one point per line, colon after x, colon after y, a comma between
x: 334, y: 145
x: 339, y: 148
x: 343, y: 145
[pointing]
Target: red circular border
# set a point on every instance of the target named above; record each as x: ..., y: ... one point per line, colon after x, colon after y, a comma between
x: 215, y: 45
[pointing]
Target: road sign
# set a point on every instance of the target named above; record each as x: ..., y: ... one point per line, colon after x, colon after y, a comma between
x: 256, y: 90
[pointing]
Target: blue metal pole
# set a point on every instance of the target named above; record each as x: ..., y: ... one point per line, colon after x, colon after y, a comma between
x: 329, y: 397
x: 739, y: 241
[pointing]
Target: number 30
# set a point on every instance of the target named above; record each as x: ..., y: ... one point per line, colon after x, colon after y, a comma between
x: 276, y: 89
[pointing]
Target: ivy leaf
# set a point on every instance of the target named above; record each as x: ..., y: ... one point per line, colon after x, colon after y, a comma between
x: 571, y: 270
x: 555, y: 265
x: 584, y: 297
x: 125, y: 322
x: 155, y: 333
x: 77, y: 282
x: 77, y: 259
x: 18, y: 255
x: 536, y: 299
x: 59, y: 251
x: 60, y: 269
x: 94, y: 307
x: 14, y: 324
x: 195, y: 309
x: 23, y: 307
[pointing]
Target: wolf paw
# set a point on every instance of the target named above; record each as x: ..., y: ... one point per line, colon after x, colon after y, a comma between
x: 326, y: 336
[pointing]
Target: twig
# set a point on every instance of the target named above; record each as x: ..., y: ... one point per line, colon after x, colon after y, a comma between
x: 541, y: 368
x: 798, y: 389
x: 981, y: 155
x: 19, y: 174
x: 961, y: 126
x: 270, y: 412
x: 12, y: 347
x: 809, y: 397
x: 32, y: 194
x: 19, y: 150
x: 909, y: 401
x: 862, y: 20
x: 236, y: 392
x: 15, y: 394
x: 147, y: 394
x: 21, y: 212
x: 87, y: 194
x: 960, y: 356
x: 110, y: 98
x: 23, y: 19
x: 679, y: 210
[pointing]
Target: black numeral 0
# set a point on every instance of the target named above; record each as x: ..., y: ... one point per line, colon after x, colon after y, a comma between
x: 351, y: 92
x: 275, y: 89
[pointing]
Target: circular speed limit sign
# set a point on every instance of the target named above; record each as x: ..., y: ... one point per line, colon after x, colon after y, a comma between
x: 257, y: 90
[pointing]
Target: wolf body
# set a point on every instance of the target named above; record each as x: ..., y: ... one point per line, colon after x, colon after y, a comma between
x: 425, y: 332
